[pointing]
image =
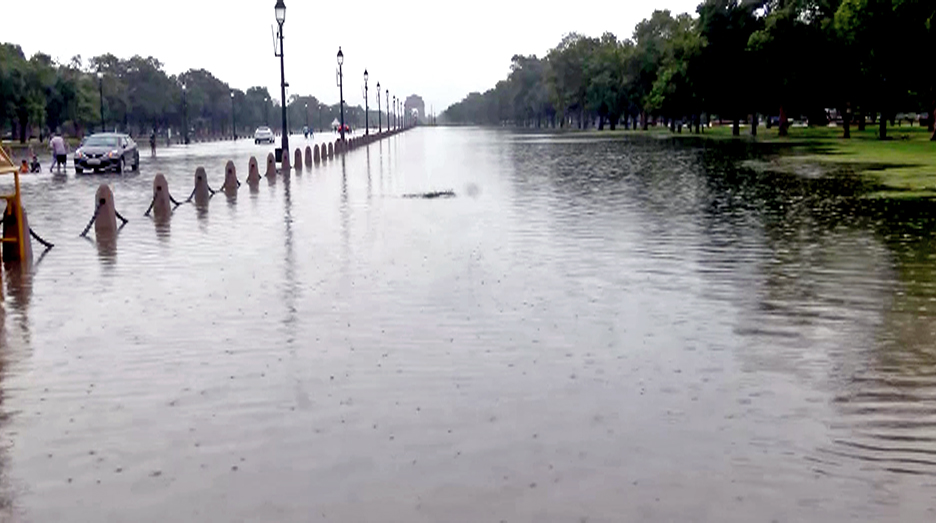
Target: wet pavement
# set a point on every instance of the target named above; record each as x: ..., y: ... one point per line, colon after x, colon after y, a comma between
x: 590, y: 330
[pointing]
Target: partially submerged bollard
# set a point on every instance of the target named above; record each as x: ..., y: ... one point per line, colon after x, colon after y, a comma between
x: 270, y: 166
x: 231, y: 184
x: 339, y: 147
x: 162, y: 202
x: 105, y: 221
x: 297, y: 163
x: 315, y: 154
x: 285, y: 163
x: 253, y: 172
x: 331, y: 150
x: 308, y: 156
x: 201, y: 193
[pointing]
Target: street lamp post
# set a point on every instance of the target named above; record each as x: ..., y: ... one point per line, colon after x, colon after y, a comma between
x: 185, y: 137
x: 100, y: 79
x: 341, y: 90
x: 280, y: 10
x: 233, y: 119
x: 388, y: 109
x: 396, y: 123
x: 307, y: 116
x: 366, y: 121
x: 379, y: 122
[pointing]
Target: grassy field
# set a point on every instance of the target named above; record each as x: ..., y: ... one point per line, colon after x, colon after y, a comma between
x: 903, y: 167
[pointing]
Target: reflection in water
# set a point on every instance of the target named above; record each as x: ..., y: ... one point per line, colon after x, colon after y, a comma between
x: 107, y: 249
x: 618, y: 329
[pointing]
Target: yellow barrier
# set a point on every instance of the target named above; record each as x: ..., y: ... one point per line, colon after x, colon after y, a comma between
x: 14, y: 205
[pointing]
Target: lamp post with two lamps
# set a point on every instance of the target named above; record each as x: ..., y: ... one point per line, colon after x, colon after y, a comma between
x: 366, y: 121
x: 280, y: 11
x: 341, y: 90
x: 379, y: 123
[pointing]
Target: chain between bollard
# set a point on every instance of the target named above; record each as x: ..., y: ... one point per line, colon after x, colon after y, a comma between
x: 40, y: 240
x: 88, y: 228
x: 124, y: 220
x: 152, y: 203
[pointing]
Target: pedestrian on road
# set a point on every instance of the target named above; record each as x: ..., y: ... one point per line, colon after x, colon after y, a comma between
x: 153, y: 144
x: 59, y: 151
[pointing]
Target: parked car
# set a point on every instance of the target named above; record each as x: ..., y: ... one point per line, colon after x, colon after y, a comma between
x: 264, y: 135
x: 104, y: 151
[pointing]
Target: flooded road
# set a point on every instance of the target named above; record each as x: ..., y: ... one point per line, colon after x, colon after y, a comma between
x: 591, y: 330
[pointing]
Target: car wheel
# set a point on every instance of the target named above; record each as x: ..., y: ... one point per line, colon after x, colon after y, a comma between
x: 120, y: 166
x: 78, y: 170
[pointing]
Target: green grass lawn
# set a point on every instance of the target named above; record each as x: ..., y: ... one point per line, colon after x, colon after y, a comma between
x: 903, y: 167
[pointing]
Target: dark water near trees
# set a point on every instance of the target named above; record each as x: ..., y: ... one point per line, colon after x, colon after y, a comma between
x: 592, y: 330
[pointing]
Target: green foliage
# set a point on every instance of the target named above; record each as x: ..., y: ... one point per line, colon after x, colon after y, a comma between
x: 38, y: 95
x: 735, y: 59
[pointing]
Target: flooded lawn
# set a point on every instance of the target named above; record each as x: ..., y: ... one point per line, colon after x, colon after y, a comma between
x: 589, y: 330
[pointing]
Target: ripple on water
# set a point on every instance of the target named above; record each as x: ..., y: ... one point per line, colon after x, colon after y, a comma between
x: 606, y: 329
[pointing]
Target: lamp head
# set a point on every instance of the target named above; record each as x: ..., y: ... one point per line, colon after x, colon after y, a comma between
x: 280, y: 10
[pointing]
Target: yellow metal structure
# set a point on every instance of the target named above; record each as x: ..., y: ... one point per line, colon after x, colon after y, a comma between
x: 13, y: 204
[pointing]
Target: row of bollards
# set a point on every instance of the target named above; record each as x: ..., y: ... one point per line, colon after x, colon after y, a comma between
x: 163, y: 204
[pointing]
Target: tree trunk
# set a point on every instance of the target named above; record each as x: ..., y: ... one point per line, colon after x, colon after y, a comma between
x: 784, y: 123
x: 698, y: 123
x: 932, y: 125
x: 882, y: 132
x: 861, y: 121
x: 600, y: 123
x: 22, y: 130
x: 672, y: 125
x: 643, y: 120
x: 846, y: 122
x: 736, y: 127
x: 754, y: 124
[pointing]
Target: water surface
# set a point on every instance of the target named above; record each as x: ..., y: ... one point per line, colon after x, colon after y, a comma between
x: 592, y: 330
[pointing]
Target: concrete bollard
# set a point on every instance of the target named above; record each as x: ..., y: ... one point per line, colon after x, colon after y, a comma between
x: 270, y: 166
x: 315, y: 154
x: 298, y: 161
x: 201, y: 193
x: 331, y: 150
x: 308, y: 156
x: 338, y: 147
x: 285, y: 166
x: 230, y: 177
x: 253, y: 173
x: 106, y: 222
x: 162, y: 203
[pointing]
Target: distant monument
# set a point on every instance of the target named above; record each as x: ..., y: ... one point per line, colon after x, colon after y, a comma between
x: 414, y: 103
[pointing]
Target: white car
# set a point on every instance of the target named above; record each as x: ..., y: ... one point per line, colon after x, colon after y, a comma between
x: 264, y: 135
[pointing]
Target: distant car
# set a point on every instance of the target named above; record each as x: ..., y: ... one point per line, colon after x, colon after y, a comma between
x: 105, y: 151
x: 264, y: 135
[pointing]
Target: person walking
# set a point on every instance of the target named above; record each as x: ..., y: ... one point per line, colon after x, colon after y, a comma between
x: 59, y: 151
x: 153, y: 144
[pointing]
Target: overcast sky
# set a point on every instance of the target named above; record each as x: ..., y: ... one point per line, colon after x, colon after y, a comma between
x: 440, y: 50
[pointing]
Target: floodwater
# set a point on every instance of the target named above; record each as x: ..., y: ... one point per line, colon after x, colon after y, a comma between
x: 591, y: 330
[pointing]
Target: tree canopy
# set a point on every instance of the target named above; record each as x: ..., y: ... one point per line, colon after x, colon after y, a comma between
x: 732, y: 60
x: 39, y: 95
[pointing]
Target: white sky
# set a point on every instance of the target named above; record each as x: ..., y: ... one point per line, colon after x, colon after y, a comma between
x: 439, y: 50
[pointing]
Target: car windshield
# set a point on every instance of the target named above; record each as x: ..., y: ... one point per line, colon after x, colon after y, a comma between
x: 101, y: 141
